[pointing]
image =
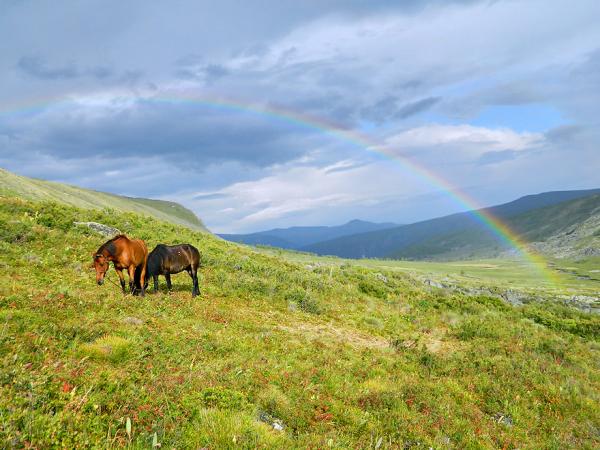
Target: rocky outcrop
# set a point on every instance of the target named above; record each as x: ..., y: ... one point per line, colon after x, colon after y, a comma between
x: 100, y: 228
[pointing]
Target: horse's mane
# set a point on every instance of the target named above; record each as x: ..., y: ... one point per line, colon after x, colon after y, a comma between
x: 107, y: 245
x: 118, y: 236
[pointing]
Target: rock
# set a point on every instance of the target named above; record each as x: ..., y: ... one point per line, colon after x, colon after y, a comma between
x: 381, y: 277
x: 512, y: 297
x: 504, y: 419
x: 100, y: 228
x: 277, y: 424
x: 591, y: 251
x: 32, y: 258
x: 434, y: 284
x: 133, y: 321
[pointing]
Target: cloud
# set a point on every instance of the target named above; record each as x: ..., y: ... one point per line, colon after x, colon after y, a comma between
x: 478, y: 107
x: 496, y: 157
x: 193, y: 67
x: 209, y: 196
x: 416, y: 107
x: 344, y: 166
x: 38, y: 68
x: 388, y: 109
x: 463, y: 136
x: 190, y: 135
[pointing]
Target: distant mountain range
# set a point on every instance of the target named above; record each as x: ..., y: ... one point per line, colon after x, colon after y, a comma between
x: 40, y: 190
x: 535, y: 218
x: 560, y: 224
x: 300, y: 237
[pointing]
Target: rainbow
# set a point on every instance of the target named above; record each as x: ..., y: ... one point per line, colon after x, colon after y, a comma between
x: 499, y: 229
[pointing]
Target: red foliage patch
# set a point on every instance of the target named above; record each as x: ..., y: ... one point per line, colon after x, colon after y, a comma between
x: 322, y: 414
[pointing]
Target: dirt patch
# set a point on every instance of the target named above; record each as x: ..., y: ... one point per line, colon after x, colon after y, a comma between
x: 343, y: 335
x: 434, y: 341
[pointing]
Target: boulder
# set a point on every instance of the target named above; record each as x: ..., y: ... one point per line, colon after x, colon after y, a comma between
x: 100, y: 228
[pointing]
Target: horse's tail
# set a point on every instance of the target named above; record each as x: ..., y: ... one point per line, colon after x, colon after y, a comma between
x: 137, y: 277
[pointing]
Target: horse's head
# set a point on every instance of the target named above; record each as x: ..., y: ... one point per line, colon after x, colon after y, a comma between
x: 101, y: 266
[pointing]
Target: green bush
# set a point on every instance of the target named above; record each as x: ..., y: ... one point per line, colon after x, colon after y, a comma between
x: 477, y: 327
x: 222, y: 398
x: 374, y: 288
x: 564, y: 319
x: 304, y: 301
x: 15, y: 232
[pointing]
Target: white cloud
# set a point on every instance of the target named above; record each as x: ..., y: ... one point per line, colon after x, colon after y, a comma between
x: 473, y: 139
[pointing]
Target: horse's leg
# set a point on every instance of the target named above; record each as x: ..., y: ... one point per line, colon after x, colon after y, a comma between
x: 137, y: 279
x: 142, y: 280
x: 155, y: 278
x: 121, y: 279
x: 168, y: 277
x: 131, y: 271
x: 193, y: 271
x: 190, y: 273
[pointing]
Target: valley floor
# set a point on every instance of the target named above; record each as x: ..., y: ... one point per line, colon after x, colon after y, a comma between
x: 559, y: 278
x: 280, y: 351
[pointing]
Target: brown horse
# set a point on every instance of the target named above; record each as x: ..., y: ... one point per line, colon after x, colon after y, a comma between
x: 124, y: 253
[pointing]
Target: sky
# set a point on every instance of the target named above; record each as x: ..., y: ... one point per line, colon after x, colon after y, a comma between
x: 247, y: 112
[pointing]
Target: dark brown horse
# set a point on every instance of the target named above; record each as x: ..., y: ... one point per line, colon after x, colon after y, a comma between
x: 168, y: 259
x: 124, y: 253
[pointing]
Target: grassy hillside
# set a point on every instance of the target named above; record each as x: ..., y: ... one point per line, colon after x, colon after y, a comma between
x: 274, y: 354
x: 33, y: 189
x: 533, y: 226
x: 461, y: 235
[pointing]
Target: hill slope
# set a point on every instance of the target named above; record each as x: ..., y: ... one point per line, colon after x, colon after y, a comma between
x: 273, y: 354
x: 34, y: 189
x: 534, y: 217
x: 298, y: 237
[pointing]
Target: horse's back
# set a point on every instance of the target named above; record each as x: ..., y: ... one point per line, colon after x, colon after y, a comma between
x: 142, y: 244
x: 193, y: 253
x: 174, y: 258
x: 139, y: 251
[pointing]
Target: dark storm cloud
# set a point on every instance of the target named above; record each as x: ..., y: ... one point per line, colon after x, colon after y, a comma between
x: 388, y: 108
x: 194, y: 67
x: 187, y: 135
x: 38, y: 68
x: 208, y: 73
x: 410, y: 109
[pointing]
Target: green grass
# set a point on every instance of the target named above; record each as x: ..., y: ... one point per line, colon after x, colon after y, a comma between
x: 567, y: 277
x: 341, y: 355
x: 40, y: 190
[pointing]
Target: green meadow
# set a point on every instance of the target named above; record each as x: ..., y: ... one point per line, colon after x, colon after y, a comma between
x: 282, y: 350
x: 556, y: 277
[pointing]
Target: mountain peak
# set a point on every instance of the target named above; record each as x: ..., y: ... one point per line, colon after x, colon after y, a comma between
x: 358, y: 222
